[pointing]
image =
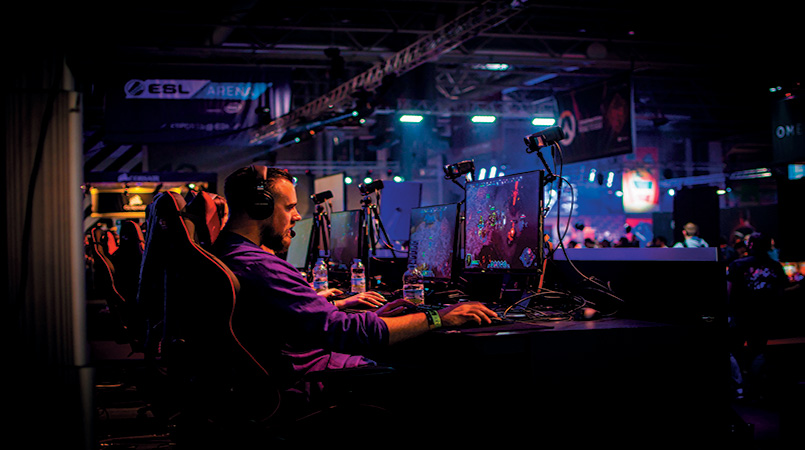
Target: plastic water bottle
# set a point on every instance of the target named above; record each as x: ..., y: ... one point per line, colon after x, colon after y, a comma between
x: 413, y: 287
x: 358, y: 276
x: 320, y: 275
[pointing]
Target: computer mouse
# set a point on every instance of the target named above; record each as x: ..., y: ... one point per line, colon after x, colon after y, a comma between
x: 587, y: 314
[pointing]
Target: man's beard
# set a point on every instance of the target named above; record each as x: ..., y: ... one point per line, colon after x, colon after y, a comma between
x: 275, y: 241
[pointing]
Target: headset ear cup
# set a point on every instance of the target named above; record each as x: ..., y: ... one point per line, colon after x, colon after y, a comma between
x: 261, y: 206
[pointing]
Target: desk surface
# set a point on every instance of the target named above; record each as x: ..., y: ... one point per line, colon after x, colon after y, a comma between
x: 616, y: 374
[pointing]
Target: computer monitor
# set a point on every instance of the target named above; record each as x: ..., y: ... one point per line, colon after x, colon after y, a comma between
x: 345, y: 238
x: 432, y: 239
x: 299, y: 250
x: 504, y: 224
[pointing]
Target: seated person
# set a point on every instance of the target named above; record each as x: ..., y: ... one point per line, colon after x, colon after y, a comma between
x: 288, y: 327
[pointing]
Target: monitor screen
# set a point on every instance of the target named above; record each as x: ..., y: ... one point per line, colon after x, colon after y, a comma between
x: 504, y: 225
x: 345, y: 241
x: 298, y: 251
x: 431, y: 240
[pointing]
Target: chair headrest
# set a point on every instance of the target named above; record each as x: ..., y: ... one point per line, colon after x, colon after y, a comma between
x: 131, y: 235
x: 206, y: 217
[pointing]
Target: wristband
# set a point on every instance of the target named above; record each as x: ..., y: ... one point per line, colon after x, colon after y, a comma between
x: 434, y: 321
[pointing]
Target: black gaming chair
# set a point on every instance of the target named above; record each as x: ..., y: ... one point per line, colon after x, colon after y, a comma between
x: 218, y: 389
x: 126, y: 261
x: 212, y: 385
x: 104, y: 284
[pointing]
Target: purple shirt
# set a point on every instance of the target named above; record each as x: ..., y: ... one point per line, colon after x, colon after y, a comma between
x: 286, y: 325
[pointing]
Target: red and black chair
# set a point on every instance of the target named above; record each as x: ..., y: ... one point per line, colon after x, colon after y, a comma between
x: 189, y: 297
x: 103, y: 278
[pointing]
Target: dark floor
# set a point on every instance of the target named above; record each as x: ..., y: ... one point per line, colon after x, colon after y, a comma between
x: 126, y: 419
x: 770, y: 417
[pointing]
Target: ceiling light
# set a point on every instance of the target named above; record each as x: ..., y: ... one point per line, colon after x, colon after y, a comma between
x: 410, y: 118
x: 543, y: 121
x: 491, y: 66
x: 483, y: 119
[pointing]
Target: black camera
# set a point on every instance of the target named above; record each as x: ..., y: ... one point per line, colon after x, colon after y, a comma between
x: 368, y: 188
x: 453, y: 171
x: 321, y: 197
x: 544, y: 138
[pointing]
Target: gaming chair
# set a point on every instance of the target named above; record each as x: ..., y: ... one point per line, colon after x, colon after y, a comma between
x: 104, y: 282
x: 211, y: 380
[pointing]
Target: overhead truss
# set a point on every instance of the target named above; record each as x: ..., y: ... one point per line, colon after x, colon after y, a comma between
x: 488, y: 15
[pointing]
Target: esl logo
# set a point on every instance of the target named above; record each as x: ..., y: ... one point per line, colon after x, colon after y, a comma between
x: 164, y: 89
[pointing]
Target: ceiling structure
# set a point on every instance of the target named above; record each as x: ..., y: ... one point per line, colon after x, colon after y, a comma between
x: 707, y: 67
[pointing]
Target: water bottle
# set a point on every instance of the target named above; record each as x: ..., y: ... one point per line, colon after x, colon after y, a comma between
x: 358, y: 276
x: 413, y: 287
x: 320, y: 275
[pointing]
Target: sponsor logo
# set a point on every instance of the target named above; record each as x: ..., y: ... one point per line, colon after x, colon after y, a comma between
x: 193, y: 90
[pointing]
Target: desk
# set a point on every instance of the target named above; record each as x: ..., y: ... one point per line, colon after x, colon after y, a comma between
x: 616, y: 380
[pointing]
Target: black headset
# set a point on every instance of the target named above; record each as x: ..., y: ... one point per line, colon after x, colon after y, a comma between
x: 261, y: 204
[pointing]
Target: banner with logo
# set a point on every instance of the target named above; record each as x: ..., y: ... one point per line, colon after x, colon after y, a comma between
x: 209, y: 106
x: 598, y: 120
x: 788, y: 130
x: 641, y: 183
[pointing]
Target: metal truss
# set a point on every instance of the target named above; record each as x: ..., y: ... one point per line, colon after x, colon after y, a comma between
x: 451, y: 35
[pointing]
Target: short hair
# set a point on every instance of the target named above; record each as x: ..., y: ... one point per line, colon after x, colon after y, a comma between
x: 759, y: 243
x: 691, y: 228
x: 239, y: 186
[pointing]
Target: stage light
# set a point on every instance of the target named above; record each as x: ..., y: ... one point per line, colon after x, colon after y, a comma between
x: 483, y: 119
x: 347, y: 180
x: 495, y: 67
x: 493, y: 171
x: 610, y: 179
x: 482, y: 174
x: 398, y: 179
x: 592, y: 176
x: 367, y: 180
x: 671, y: 192
x: 410, y: 118
x: 543, y: 121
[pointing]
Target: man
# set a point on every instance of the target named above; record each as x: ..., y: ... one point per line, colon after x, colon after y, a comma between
x: 690, y: 237
x: 755, y: 286
x: 289, y: 328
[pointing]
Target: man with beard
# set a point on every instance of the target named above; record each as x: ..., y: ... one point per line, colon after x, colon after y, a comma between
x: 289, y: 328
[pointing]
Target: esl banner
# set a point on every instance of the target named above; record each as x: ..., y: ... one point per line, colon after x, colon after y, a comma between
x: 598, y: 120
x: 206, y: 106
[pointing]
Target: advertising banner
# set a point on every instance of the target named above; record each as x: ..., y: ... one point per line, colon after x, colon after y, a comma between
x: 598, y: 120
x: 210, y: 106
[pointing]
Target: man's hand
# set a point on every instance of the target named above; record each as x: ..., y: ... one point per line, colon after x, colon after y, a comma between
x: 369, y: 299
x: 394, y: 308
x: 466, y: 312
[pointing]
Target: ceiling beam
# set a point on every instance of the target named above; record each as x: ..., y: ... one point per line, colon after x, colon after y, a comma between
x: 426, y: 48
